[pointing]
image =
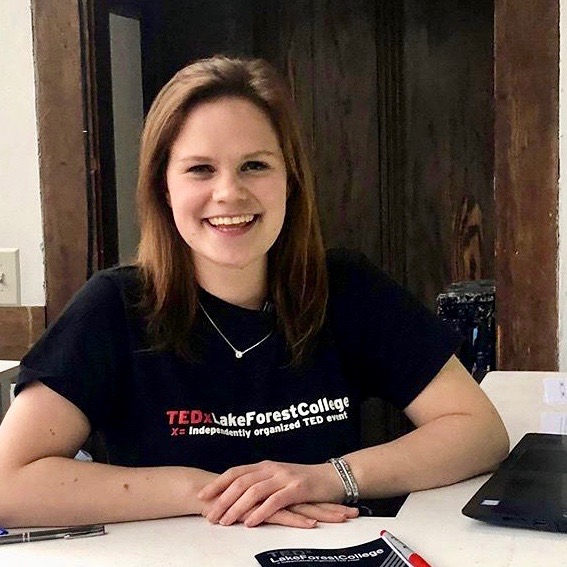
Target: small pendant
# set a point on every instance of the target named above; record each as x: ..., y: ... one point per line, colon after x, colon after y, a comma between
x: 238, y: 354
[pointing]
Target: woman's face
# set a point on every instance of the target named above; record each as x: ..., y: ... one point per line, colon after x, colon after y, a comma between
x: 227, y: 184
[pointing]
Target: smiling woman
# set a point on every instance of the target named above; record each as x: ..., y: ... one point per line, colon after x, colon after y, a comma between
x: 225, y: 369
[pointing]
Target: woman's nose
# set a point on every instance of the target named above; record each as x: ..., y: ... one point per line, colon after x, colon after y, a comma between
x: 229, y: 187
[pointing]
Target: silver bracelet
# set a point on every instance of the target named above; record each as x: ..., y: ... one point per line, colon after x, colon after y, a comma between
x: 347, y: 478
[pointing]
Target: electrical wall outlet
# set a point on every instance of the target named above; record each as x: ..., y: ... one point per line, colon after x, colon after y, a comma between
x: 9, y: 276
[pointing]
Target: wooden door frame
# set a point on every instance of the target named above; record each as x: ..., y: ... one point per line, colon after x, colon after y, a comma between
x: 526, y: 161
x: 526, y: 169
x: 63, y: 149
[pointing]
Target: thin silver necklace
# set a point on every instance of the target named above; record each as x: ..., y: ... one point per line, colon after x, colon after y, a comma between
x: 237, y: 353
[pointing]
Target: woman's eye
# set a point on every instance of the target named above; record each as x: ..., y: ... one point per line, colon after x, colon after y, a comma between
x: 254, y: 166
x: 200, y: 169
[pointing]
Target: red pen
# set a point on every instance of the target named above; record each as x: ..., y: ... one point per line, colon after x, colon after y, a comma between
x: 409, y: 555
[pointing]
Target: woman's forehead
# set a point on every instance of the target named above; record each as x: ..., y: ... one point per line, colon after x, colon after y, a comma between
x: 223, y: 124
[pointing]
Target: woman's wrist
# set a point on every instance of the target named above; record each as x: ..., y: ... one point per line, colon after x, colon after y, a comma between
x: 331, y: 487
x: 344, y: 473
x: 196, y: 480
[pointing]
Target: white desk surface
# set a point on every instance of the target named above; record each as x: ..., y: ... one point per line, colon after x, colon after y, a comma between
x: 430, y: 521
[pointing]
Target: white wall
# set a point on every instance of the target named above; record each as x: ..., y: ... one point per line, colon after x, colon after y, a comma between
x: 20, y: 206
x: 562, y: 253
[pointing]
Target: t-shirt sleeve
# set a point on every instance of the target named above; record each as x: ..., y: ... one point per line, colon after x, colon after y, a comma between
x: 82, y: 354
x: 391, y: 344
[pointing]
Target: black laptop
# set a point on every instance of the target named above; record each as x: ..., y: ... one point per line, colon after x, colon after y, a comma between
x: 529, y: 489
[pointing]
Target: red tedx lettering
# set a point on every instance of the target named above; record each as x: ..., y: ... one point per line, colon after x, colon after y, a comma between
x: 186, y: 417
x: 196, y: 416
x: 172, y: 415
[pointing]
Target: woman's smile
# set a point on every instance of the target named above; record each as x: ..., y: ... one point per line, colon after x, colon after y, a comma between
x: 232, y: 224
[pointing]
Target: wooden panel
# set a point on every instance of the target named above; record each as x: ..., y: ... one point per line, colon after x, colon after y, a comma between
x: 448, y: 76
x: 391, y: 129
x: 21, y: 327
x: 526, y: 172
x: 62, y: 148
x: 292, y: 54
x: 346, y: 125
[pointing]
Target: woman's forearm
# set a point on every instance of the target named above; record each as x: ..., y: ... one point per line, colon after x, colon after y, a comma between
x: 459, y: 434
x: 443, y: 451
x: 61, y: 491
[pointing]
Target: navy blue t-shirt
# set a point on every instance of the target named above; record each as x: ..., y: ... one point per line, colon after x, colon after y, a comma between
x: 154, y: 408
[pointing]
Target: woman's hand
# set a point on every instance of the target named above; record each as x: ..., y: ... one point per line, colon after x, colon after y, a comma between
x: 309, y: 515
x: 258, y: 491
x: 305, y: 515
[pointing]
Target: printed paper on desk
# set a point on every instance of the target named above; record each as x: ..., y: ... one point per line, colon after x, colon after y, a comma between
x: 555, y: 391
x: 376, y: 553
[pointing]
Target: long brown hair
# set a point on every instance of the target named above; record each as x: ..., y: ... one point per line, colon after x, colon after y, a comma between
x: 296, y: 262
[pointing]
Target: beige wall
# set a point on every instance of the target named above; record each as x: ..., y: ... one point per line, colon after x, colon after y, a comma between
x: 20, y: 208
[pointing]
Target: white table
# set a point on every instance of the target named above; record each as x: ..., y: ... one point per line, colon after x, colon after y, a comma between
x: 8, y: 372
x: 429, y: 521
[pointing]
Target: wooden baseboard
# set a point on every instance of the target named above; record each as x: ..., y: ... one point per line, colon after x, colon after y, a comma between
x: 21, y: 327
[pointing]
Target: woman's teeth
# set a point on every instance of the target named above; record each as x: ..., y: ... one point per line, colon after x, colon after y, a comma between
x: 229, y: 221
